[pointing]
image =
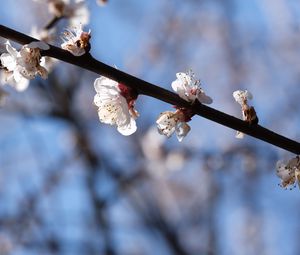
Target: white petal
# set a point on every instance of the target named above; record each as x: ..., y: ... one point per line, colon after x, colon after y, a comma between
x: 239, y: 135
x: 97, y: 100
x: 73, y: 49
x: 283, y: 172
x: 114, y: 112
x: 124, y: 117
x: 8, y: 61
x: 103, y: 81
x: 22, y: 84
x: 166, y: 123
x: 183, y: 77
x: 11, y: 50
x: 20, y: 70
x: 182, y: 129
x: 128, y: 129
x: 39, y: 44
x: 109, y: 112
x: 180, y: 89
x: 241, y: 95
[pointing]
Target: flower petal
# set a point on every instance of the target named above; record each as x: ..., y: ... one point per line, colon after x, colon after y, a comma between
x: 8, y: 61
x: 166, y: 123
x: 182, y: 129
x: 128, y: 129
x: 38, y: 44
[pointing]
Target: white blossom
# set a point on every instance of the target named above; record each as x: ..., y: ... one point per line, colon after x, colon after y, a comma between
x: 76, y: 41
x: 289, y: 172
x: 21, y: 66
x: 248, y: 112
x: 242, y: 96
x: 75, y: 10
x: 113, y: 107
x: 169, y: 122
x: 188, y: 88
x: 48, y: 36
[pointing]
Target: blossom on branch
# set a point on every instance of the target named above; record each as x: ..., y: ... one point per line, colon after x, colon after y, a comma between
x: 289, y: 172
x: 188, y: 88
x: 47, y: 36
x: 115, y: 103
x: 248, y: 112
x: 74, y: 10
x: 76, y: 41
x: 24, y: 65
x: 169, y: 122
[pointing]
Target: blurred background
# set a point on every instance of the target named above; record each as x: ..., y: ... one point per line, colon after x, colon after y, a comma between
x: 72, y: 185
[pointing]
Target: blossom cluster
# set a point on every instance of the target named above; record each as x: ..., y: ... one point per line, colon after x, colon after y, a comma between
x: 21, y: 66
x: 114, y: 100
x: 188, y: 88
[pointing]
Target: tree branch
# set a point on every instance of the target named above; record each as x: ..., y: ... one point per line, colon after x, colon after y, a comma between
x: 143, y: 87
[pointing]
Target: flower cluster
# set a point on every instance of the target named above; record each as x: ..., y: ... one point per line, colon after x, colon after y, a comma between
x: 188, y: 88
x: 115, y: 103
x: 248, y: 112
x: 24, y: 65
x: 76, y: 41
x: 289, y: 172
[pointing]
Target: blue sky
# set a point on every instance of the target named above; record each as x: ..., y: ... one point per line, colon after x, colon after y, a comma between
x: 256, y: 47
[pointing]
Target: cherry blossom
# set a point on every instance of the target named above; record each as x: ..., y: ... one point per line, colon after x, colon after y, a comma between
x: 48, y: 36
x: 242, y: 96
x: 289, y: 172
x: 169, y: 122
x: 115, y: 103
x: 248, y: 112
x: 188, y: 88
x: 21, y: 66
x: 76, y: 41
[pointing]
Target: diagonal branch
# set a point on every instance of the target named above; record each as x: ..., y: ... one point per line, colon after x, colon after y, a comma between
x: 143, y: 87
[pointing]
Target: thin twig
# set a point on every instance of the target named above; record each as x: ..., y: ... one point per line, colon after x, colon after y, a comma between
x: 143, y: 87
x: 53, y: 22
